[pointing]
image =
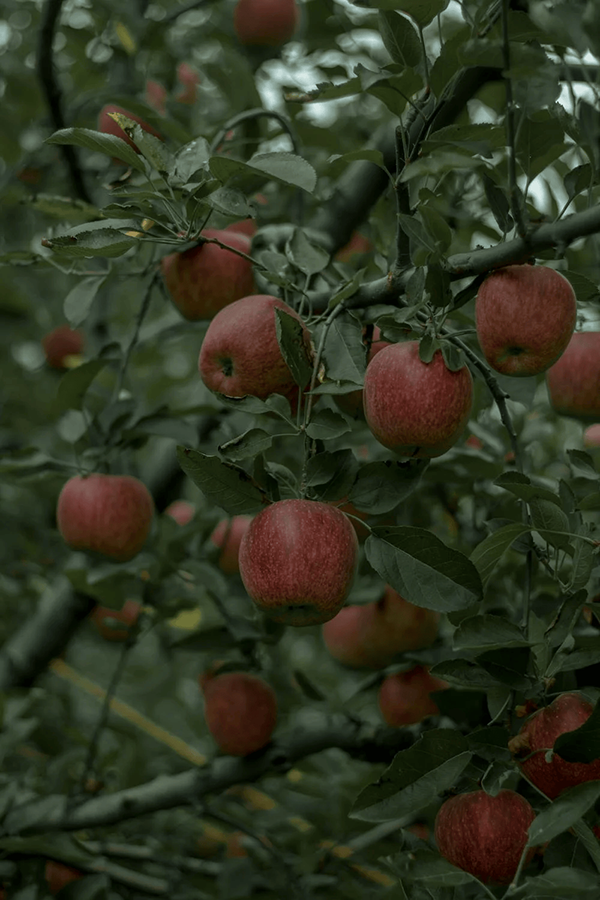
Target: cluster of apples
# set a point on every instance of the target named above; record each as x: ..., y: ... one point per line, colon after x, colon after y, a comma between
x: 486, y: 835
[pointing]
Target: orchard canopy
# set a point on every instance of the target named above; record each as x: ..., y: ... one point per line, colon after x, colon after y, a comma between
x: 411, y: 184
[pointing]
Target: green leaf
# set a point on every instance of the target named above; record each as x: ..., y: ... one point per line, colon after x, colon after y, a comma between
x: 190, y: 159
x: 464, y: 673
x: 344, y: 353
x: 488, y: 553
x: 286, y: 168
x: 251, y: 443
x: 422, y: 11
x: 290, y: 337
x: 415, y: 777
x: 400, y: 39
x: 75, y: 383
x: 108, y: 144
x: 429, y: 870
x: 498, y: 203
x: 423, y: 569
x: 104, y: 241
x: 151, y: 147
x: 326, y: 425
x: 508, y: 666
x: 332, y: 473
x: 305, y: 255
x: 223, y: 484
x: 520, y: 485
x: 562, y: 883
x: 381, y: 486
x: 78, y: 301
x: 547, y: 519
x: 488, y: 631
x: 563, y: 812
x: 583, y: 744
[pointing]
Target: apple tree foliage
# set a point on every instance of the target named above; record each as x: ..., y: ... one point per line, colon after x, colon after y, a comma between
x: 456, y: 137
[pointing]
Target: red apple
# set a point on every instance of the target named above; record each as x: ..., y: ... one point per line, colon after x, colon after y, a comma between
x: 156, y: 96
x: 128, y: 615
x: 484, y: 835
x: 371, y: 636
x: 108, y: 514
x: 574, y: 381
x: 591, y: 436
x: 108, y: 125
x: 182, y: 511
x: 240, y: 711
x: 189, y: 78
x: 58, y: 875
x: 525, y: 316
x: 207, y: 278
x: 228, y: 535
x: 358, y: 243
x: 414, y: 408
x: 352, y: 403
x: 60, y: 344
x: 265, y: 23
x: 405, y: 698
x: 298, y: 559
x: 567, y: 713
x: 240, y: 354
x: 244, y: 226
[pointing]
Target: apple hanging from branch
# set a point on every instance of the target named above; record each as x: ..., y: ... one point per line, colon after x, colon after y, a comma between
x: 574, y: 381
x: 240, y: 711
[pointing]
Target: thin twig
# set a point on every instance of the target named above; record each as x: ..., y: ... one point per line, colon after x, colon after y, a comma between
x: 515, y: 204
x: 134, y: 338
x: 49, y: 85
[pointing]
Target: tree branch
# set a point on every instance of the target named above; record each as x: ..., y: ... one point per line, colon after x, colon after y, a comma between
x: 49, y: 85
x: 359, y: 739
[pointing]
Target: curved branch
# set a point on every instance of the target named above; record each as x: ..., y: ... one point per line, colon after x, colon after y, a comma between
x: 49, y: 85
x: 360, y: 739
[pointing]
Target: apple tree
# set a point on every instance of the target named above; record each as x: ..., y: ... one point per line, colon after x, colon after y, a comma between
x: 299, y: 449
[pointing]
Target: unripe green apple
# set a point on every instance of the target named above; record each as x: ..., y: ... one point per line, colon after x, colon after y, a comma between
x: 265, y: 23
x: 484, y: 835
x: 61, y: 345
x: 240, y: 354
x: 108, y: 125
x: 298, y: 559
x: 206, y: 278
x: 574, y: 381
x: 371, y: 636
x: 228, y: 536
x: 108, y: 514
x: 414, y: 408
x: 104, y: 618
x: 58, y: 875
x: 525, y: 316
x: 352, y: 403
x: 240, y: 711
x: 182, y: 511
x: 405, y: 698
x: 567, y: 713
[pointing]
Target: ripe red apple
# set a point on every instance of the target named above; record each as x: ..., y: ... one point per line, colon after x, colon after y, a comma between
x: 156, y: 96
x: 484, y: 835
x: 109, y: 514
x: 244, y: 226
x: 109, y: 126
x: 370, y: 636
x: 228, y: 535
x: 58, y: 875
x: 574, y: 381
x: 206, y: 278
x: 60, y: 344
x: 538, y: 734
x: 298, y: 559
x: 414, y: 408
x: 525, y: 316
x: 240, y: 354
x: 352, y: 403
x: 358, y: 243
x: 265, y: 23
x: 405, y: 698
x: 591, y: 436
x: 240, y: 711
x: 182, y: 511
x: 128, y: 615
x: 189, y: 79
